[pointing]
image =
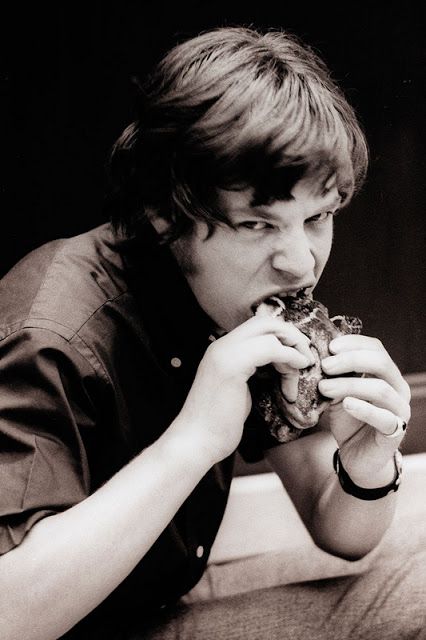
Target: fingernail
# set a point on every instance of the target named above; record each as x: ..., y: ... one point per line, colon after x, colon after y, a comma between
x: 331, y: 346
x: 310, y: 356
x: 326, y: 386
x: 349, y: 404
x: 328, y: 364
x: 307, y: 362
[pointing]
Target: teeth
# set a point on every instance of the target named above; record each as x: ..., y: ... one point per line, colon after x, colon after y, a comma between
x: 300, y: 293
x: 264, y: 307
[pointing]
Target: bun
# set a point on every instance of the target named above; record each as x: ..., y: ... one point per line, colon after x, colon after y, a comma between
x: 286, y: 420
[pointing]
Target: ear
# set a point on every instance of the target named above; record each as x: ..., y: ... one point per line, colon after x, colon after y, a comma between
x: 160, y: 225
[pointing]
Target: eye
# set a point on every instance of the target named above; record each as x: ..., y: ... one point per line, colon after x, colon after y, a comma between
x: 254, y: 225
x: 321, y: 217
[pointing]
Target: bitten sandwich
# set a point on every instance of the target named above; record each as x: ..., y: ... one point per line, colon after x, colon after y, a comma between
x: 286, y: 420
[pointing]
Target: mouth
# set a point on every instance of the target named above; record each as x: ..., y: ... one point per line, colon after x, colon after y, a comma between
x: 297, y: 294
x: 280, y: 297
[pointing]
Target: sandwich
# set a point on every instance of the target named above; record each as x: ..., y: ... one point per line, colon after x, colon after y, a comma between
x: 287, y: 420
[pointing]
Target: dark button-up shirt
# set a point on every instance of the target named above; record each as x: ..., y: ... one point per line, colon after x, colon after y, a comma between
x: 100, y: 338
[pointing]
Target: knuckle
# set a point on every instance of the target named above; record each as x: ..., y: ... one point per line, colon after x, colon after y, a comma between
x: 407, y: 415
x: 368, y: 413
x: 378, y: 344
x: 213, y: 348
x: 215, y: 353
x: 407, y: 391
x: 292, y: 331
x: 383, y: 389
x: 356, y: 361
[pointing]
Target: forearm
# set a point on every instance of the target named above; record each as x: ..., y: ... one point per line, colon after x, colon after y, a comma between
x: 339, y: 523
x: 347, y: 526
x: 76, y: 558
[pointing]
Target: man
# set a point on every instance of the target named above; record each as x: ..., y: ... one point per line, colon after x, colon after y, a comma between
x: 126, y: 352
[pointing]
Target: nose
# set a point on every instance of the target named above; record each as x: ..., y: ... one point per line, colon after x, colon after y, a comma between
x: 292, y: 255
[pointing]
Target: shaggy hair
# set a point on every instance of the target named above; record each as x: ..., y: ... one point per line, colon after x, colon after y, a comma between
x: 232, y: 108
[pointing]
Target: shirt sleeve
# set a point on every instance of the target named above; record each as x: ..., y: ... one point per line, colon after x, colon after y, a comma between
x: 44, y: 407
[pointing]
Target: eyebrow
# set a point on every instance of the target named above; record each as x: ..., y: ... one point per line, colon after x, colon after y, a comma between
x: 260, y: 212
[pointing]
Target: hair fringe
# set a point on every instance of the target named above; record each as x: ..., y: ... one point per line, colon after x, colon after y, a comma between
x: 231, y: 107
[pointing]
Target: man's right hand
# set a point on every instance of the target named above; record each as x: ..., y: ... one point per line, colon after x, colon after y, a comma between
x: 219, y: 401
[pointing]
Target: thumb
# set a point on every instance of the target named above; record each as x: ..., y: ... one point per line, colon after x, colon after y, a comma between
x: 290, y: 385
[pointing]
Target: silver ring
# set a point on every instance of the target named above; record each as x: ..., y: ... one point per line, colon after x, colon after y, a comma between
x: 400, y: 429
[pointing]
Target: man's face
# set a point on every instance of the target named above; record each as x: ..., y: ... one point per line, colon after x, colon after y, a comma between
x: 274, y: 249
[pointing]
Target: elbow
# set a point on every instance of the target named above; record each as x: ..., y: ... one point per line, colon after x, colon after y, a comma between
x: 343, y: 552
x: 352, y: 549
x: 347, y: 545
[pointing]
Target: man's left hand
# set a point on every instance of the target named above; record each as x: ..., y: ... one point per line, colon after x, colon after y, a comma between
x: 365, y: 410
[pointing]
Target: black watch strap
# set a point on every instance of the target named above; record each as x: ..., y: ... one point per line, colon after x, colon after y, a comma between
x: 361, y: 492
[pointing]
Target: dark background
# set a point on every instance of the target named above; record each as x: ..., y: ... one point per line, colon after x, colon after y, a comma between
x: 68, y: 94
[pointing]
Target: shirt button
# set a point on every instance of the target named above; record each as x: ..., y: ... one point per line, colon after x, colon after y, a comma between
x: 212, y: 338
x: 200, y: 551
x: 176, y: 362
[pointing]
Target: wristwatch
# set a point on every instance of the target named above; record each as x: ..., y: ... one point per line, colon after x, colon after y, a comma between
x: 361, y: 492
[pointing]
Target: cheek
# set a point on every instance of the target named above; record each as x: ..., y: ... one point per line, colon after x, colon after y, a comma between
x: 224, y: 254
x: 322, y: 249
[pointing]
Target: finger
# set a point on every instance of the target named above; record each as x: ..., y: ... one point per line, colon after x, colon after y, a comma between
x: 384, y: 421
x: 257, y: 325
x: 291, y: 336
x: 290, y: 386
x: 286, y: 332
x: 378, y: 392
x: 268, y: 349
x: 375, y: 363
x: 283, y: 367
x: 352, y: 341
